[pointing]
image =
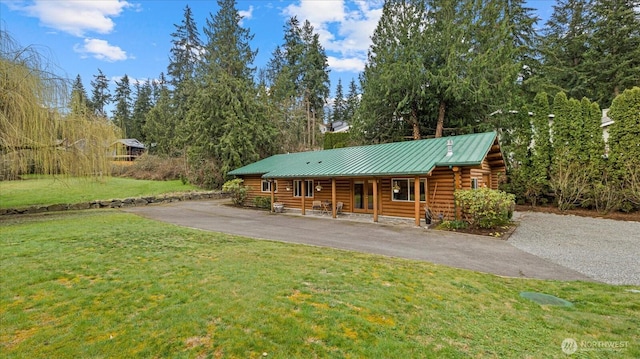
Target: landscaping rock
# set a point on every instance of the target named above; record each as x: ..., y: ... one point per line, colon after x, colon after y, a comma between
x: 140, y: 202
x: 57, y: 207
x: 116, y: 203
x: 78, y: 206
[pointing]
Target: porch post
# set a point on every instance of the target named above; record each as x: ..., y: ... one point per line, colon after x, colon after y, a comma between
x: 303, y: 194
x: 457, y: 184
x: 272, y: 184
x: 416, y: 197
x: 333, y: 198
x: 375, y: 199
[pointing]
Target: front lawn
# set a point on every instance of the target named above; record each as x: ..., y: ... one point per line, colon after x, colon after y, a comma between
x: 110, y: 284
x: 47, y: 190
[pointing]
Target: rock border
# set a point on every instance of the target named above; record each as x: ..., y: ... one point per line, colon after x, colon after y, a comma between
x: 116, y: 203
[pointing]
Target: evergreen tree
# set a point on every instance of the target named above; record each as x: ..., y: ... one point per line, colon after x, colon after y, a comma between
x: 437, y: 63
x: 186, y: 50
x: 339, y: 106
x: 122, y: 112
x: 393, y: 82
x: 186, y: 53
x: 100, y: 96
x: 578, y: 148
x: 315, y: 80
x: 624, y: 144
x: 80, y: 104
x: 563, y: 47
x: 285, y: 78
x: 353, y: 102
x: 141, y: 107
x: 159, y: 127
x: 298, y: 79
x: 541, y: 151
x: 516, y: 144
x: 613, y: 54
x: 472, y: 60
x: 224, y: 119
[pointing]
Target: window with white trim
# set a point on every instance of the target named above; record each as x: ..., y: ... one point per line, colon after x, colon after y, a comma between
x: 266, y: 186
x: 474, y: 183
x: 402, y: 189
x: 297, y: 188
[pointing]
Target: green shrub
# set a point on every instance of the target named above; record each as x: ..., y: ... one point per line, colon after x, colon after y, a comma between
x: 484, y: 207
x: 237, y: 190
x: 453, y: 225
x: 262, y: 202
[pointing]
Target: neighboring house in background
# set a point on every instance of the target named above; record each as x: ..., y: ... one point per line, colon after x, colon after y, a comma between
x: 605, y: 123
x: 380, y: 179
x: 127, y: 149
x: 337, y: 126
x: 340, y: 126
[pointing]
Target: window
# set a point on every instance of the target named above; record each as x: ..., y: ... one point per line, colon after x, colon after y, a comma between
x: 474, y: 183
x: 405, y: 190
x: 297, y: 188
x: 266, y: 186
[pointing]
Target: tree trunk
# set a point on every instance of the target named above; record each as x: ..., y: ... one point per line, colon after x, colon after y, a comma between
x: 440, y: 125
x: 308, y: 134
x: 414, y: 123
x: 313, y: 130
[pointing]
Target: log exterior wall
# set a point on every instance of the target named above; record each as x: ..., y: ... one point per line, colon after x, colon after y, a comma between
x: 441, y: 183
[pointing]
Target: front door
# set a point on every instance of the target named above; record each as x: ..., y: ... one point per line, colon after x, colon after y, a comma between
x: 363, y: 196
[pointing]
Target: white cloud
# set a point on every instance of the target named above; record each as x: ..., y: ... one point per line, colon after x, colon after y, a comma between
x: 101, y: 50
x: 344, y: 27
x: 75, y: 17
x: 352, y: 64
x: 246, y: 14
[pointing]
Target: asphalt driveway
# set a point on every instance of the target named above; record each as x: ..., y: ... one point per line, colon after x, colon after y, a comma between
x: 452, y: 249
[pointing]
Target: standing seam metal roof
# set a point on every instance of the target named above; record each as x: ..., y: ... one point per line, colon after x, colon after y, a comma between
x: 398, y: 158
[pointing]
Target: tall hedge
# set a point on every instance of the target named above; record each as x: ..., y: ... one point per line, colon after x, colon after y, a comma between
x: 624, y: 144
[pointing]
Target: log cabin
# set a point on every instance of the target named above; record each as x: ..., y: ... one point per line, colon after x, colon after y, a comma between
x: 380, y: 179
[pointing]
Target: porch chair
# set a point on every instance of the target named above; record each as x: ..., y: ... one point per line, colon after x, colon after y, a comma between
x: 316, y: 205
x: 339, y: 206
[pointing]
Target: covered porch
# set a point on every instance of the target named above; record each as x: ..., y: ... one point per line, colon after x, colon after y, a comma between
x: 366, y: 196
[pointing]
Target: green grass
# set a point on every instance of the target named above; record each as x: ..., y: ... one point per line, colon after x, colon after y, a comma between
x: 109, y: 284
x: 53, y: 190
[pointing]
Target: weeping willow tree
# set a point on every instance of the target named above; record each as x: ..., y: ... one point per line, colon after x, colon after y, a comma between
x: 37, y: 132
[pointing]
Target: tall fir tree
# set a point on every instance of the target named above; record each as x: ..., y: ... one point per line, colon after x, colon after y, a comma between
x: 159, y: 127
x: 225, y: 122
x: 315, y: 80
x: 339, y: 106
x: 394, y: 78
x: 100, y: 95
x: 352, y: 103
x: 122, y: 112
x: 141, y: 107
x: 80, y: 103
x: 437, y: 64
x: 563, y: 46
x: 613, y: 54
x: 298, y: 79
x: 186, y: 53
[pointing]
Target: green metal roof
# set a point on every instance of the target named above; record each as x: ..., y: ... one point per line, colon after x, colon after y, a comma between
x: 398, y: 158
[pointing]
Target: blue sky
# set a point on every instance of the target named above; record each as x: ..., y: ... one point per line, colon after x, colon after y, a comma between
x: 133, y: 37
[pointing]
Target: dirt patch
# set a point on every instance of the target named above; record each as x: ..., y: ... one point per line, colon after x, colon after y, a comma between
x: 502, y: 232
x: 582, y: 212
